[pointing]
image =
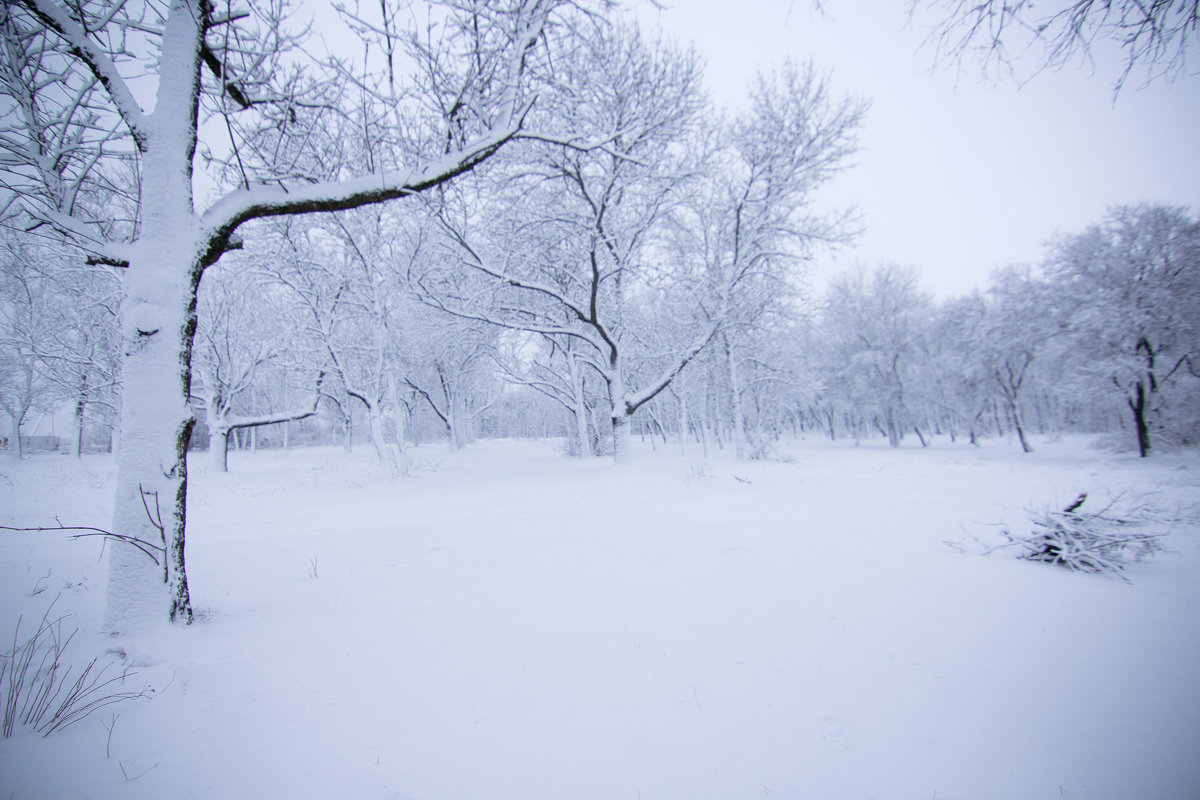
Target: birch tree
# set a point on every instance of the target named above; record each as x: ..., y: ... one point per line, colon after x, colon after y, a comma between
x: 99, y: 92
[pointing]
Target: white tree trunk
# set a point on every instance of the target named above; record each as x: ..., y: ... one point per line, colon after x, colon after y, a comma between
x: 399, y: 426
x: 158, y: 318
x: 580, y: 407
x: 735, y: 400
x: 453, y: 424
x: 218, y: 448
x: 388, y: 453
x: 622, y: 438
x: 893, y: 430
x: 77, y: 426
x: 156, y: 423
x: 683, y: 423
x: 621, y: 428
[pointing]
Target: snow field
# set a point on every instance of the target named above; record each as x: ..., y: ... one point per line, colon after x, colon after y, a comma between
x: 512, y: 623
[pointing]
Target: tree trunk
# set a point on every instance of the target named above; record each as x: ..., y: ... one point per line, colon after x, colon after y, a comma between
x: 78, y: 421
x: 1138, y: 406
x: 738, y: 432
x: 218, y: 448
x: 683, y: 423
x: 893, y: 430
x: 16, y: 438
x: 621, y: 416
x: 1015, y: 414
x: 388, y: 455
x: 399, y: 425
x: 158, y: 324
x: 156, y: 423
x: 595, y: 432
x: 579, y: 406
x: 454, y: 423
x: 622, y: 434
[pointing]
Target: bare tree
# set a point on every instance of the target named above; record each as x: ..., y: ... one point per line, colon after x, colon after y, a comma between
x: 1155, y: 35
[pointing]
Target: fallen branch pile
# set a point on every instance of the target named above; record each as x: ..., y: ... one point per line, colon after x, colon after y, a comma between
x: 1097, y: 542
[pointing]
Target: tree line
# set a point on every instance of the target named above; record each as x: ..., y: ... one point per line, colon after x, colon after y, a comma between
x: 404, y: 346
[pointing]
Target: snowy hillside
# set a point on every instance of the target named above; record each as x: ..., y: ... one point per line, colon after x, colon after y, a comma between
x: 512, y: 623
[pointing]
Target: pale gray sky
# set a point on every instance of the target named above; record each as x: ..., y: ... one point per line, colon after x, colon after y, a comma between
x: 956, y: 176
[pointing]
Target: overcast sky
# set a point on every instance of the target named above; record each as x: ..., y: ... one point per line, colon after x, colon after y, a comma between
x: 957, y: 176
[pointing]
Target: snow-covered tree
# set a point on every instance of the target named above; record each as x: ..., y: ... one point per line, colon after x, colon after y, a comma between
x: 239, y: 333
x: 874, y: 321
x: 961, y: 381
x: 31, y: 322
x: 756, y: 224
x: 108, y: 101
x: 553, y: 367
x: 450, y: 366
x: 82, y: 354
x: 567, y: 259
x: 1129, y: 290
x: 1017, y: 325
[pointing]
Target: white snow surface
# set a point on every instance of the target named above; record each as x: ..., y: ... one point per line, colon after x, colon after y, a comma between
x: 512, y: 623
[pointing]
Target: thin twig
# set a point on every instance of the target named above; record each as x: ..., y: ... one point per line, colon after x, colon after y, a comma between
x: 141, y: 544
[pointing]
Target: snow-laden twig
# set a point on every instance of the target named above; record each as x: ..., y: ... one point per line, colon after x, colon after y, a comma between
x: 1097, y: 541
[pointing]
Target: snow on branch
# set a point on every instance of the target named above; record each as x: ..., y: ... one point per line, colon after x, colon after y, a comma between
x: 266, y: 201
x: 1097, y: 542
x: 294, y: 415
x: 636, y: 401
x: 98, y: 62
x: 101, y: 251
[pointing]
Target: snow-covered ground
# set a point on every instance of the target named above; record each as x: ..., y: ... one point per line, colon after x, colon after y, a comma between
x: 511, y: 623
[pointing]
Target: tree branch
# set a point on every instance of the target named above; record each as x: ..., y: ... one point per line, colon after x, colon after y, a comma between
x: 98, y: 62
